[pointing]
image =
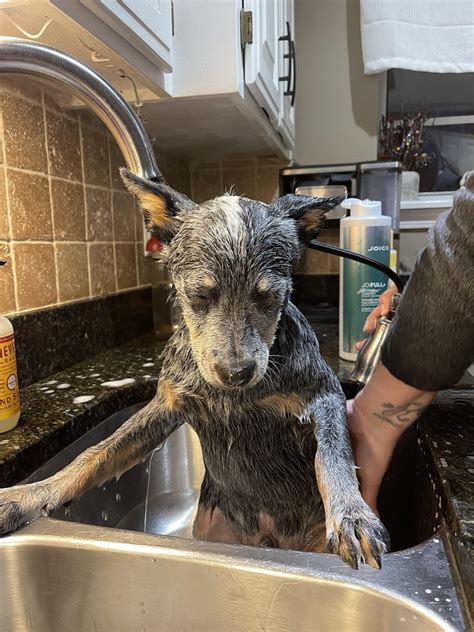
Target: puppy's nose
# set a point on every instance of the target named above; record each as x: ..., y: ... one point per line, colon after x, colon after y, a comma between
x: 238, y: 375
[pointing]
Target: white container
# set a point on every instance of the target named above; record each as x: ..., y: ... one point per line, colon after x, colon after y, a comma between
x: 367, y: 232
x: 9, y: 391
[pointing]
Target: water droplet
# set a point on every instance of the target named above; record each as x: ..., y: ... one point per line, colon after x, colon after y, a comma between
x: 436, y: 598
x: 448, y: 600
x: 118, y: 497
x: 428, y: 591
x: 105, y: 516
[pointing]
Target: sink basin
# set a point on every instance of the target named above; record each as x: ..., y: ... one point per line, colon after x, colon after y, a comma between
x: 146, y: 573
x: 60, y: 577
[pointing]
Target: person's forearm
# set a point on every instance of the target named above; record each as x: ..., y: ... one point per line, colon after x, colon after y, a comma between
x: 378, y: 416
x: 391, y: 405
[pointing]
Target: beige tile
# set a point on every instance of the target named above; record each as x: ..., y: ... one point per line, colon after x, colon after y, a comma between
x: 24, y: 87
x: 184, y: 178
x: 24, y: 136
x: 90, y: 119
x: 267, y: 184
x: 139, y: 225
x: 68, y: 210
x: 239, y: 163
x: 316, y: 262
x: 64, y: 147
x: 124, y: 216
x: 266, y: 161
x: 116, y: 161
x: 205, y: 165
x: 206, y: 185
x: 241, y: 182
x: 30, y: 206
x: 170, y: 170
x: 7, y: 284
x: 126, y: 266
x: 4, y: 228
x: 73, y: 275
x: 102, y: 270
x: 96, y: 157
x: 143, y: 266
x: 99, y: 214
x: 35, y: 275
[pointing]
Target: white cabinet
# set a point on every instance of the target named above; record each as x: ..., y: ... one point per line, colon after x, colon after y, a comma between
x: 270, y: 62
x: 147, y: 24
x: 286, y: 121
x: 262, y: 65
x: 209, y: 88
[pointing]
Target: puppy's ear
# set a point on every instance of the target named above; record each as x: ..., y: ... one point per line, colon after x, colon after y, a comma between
x: 308, y: 212
x: 163, y: 207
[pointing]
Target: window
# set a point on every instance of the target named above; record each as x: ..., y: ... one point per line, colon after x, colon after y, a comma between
x: 449, y: 130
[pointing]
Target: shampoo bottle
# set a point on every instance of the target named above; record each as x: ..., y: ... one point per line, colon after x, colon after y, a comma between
x: 367, y: 232
x: 9, y: 391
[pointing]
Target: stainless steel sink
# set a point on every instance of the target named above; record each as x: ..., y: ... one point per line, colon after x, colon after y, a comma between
x: 72, y: 572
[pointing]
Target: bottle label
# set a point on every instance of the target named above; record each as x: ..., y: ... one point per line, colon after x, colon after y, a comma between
x: 362, y: 284
x: 9, y: 391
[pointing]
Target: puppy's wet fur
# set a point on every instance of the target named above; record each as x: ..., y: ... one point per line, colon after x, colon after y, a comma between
x: 244, y: 370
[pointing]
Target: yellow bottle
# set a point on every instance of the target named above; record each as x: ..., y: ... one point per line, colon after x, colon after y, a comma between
x: 9, y: 391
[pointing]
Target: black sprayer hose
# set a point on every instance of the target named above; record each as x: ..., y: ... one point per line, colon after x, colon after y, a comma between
x: 355, y: 256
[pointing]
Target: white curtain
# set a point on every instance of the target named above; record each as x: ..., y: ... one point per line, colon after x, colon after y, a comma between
x: 427, y: 35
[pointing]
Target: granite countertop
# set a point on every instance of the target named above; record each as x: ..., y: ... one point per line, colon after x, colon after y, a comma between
x: 59, y: 409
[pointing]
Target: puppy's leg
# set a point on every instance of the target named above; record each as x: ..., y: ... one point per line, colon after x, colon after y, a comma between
x: 129, y: 445
x: 352, y: 529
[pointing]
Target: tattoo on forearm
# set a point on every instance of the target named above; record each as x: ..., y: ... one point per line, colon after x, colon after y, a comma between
x: 398, y: 416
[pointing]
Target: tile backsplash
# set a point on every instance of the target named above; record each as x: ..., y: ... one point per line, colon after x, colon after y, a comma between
x: 68, y: 228
x: 258, y: 178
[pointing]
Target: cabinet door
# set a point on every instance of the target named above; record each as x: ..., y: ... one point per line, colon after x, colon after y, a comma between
x: 146, y: 24
x: 261, y: 57
x: 286, y: 122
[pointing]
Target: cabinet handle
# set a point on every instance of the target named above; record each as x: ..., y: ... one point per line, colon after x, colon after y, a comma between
x: 287, y: 77
x: 293, y: 60
x: 290, y: 78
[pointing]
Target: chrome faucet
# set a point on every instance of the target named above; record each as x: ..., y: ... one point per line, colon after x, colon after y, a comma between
x: 24, y: 57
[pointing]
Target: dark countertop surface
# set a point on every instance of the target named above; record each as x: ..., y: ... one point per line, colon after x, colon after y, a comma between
x: 59, y: 409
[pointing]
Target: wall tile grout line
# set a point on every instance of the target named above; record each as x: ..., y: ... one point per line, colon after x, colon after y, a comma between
x: 9, y: 213
x: 86, y: 206
x: 48, y: 167
x: 112, y: 211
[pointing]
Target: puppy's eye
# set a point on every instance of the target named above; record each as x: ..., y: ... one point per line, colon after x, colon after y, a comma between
x: 266, y: 300
x: 201, y: 299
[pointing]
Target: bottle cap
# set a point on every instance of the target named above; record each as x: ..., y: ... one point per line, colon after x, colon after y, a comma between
x: 363, y: 208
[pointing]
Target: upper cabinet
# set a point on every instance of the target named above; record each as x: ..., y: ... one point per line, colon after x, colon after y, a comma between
x: 270, y: 61
x: 212, y: 79
x: 147, y: 24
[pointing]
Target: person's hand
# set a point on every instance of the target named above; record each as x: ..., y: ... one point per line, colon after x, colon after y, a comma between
x: 382, y: 309
x: 377, y: 417
x: 372, y: 447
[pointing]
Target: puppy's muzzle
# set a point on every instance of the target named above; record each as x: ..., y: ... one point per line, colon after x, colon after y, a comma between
x: 236, y: 375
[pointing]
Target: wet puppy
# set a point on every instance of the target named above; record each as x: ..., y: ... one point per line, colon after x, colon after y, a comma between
x: 244, y: 370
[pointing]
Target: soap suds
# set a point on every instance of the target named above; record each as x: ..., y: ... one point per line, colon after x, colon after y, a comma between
x: 117, y: 383
x: 82, y: 399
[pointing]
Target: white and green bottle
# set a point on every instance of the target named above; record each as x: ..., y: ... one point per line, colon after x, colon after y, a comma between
x: 367, y: 232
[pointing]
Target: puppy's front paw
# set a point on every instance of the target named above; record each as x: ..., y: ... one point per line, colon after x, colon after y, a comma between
x: 357, y: 535
x: 18, y: 506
